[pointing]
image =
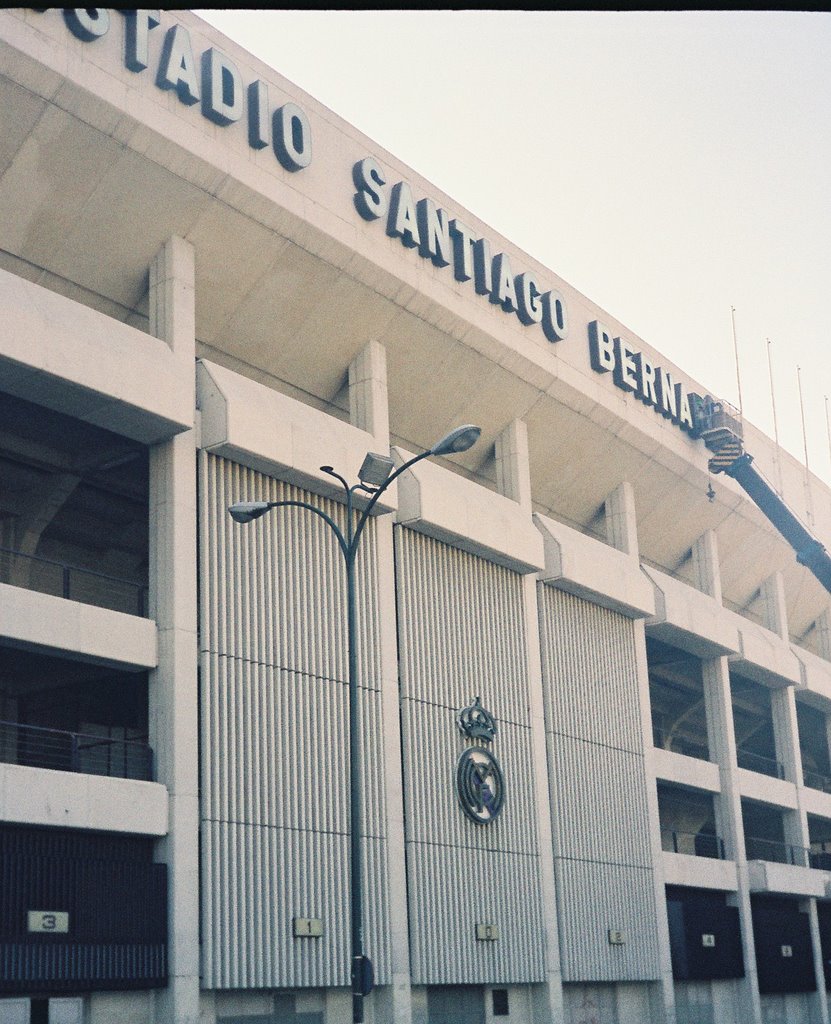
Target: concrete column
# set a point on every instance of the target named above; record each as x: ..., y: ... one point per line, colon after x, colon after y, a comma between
x: 823, y: 628
x: 173, y: 685
x: 513, y: 474
x: 513, y: 477
x: 706, y: 567
x: 546, y: 998
x: 721, y: 739
x: 622, y: 533
x: 621, y: 521
x: 666, y: 1011
x: 786, y: 736
x: 783, y: 707
x: 369, y: 410
x: 368, y: 395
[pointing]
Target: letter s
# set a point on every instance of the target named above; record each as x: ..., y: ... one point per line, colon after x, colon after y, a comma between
x: 370, y: 199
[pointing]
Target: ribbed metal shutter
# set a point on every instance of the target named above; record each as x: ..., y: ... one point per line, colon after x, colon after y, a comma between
x: 461, y: 635
x: 115, y: 899
x: 274, y: 739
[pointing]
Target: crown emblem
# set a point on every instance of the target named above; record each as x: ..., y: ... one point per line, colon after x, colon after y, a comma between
x: 477, y: 723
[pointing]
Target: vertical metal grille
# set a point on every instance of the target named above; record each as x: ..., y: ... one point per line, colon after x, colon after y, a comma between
x: 461, y: 635
x: 274, y: 739
x: 115, y: 900
x: 600, y: 817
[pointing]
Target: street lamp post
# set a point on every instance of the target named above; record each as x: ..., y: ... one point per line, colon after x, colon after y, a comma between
x: 375, y: 476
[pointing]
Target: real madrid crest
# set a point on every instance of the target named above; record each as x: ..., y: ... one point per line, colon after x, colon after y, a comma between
x: 479, y: 783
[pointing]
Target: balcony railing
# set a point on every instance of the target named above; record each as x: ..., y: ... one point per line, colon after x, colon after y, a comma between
x: 762, y: 765
x: 816, y: 780
x: 60, y: 580
x: 821, y: 856
x: 37, y: 747
x: 681, y: 745
x: 779, y: 853
x: 696, y: 844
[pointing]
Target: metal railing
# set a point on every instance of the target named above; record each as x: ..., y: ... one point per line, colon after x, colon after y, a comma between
x: 47, y: 577
x: 816, y: 780
x: 820, y: 856
x: 681, y: 745
x: 38, y: 747
x: 778, y: 852
x: 758, y: 763
x: 696, y: 844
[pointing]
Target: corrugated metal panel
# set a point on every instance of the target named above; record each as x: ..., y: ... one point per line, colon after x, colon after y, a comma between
x: 274, y: 738
x: 593, y: 898
x: 461, y: 635
x: 463, y: 629
x: 601, y: 802
x: 256, y: 879
x: 600, y: 819
x: 81, y: 967
x: 433, y: 744
x: 451, y: 890
x: 589, y: 672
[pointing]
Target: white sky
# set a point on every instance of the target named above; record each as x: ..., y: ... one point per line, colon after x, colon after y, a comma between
x: 669, y: 165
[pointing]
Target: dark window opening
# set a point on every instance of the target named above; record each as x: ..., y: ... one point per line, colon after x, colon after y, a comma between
x: 74, y: 508
x: 39, y: 1013
x: 500, y: 1002
x: 676, y: 697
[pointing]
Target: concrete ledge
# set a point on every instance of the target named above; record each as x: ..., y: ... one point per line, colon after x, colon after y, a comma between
x: 767, y: 790
x: 815, y: 801
x: 437, y: 502
x: 40, y: 796
x: 40, y: 622
x: 700, y: 872
x: 689, y: 619
x: 78, y: 361
x: 815, y: 679
x: 790, y: 879
x: 764, y: 657
x: 683, y: 770
x: 279, y: 436
x: 594, y: 571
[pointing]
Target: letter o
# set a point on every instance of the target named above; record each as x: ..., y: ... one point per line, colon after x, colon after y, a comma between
x: 292, y: 135
x: 87, y: 23
x: 554, y: 316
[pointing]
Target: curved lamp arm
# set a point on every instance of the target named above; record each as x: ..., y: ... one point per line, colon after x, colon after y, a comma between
x: 248, y: 510
x: 458, y: 440
x: 367, y: 510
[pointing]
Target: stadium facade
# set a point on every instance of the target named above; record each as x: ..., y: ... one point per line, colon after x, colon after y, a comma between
x: 594, y: 682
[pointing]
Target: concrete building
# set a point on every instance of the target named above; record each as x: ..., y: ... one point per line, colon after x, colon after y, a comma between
x: 211, y: 286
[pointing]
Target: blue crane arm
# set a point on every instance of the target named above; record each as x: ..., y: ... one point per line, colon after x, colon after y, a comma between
x: 809, y: 551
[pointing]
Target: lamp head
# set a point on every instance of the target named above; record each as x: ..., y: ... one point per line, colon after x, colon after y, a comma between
x: 458, y: 440
x: 245, y: 511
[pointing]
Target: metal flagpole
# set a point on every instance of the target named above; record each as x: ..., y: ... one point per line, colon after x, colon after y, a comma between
x: 827, y: 425
x: 802, y: 414
x: 736, y: 355
x: 775, y: 424
x: 808, y: 504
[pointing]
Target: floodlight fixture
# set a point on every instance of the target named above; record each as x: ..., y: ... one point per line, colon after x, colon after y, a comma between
x: 375, y: 469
